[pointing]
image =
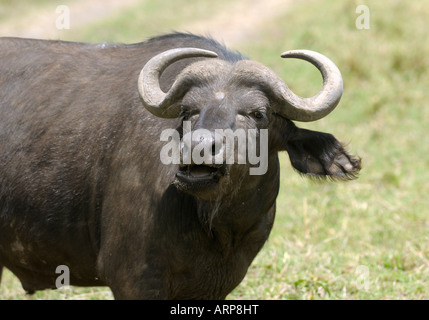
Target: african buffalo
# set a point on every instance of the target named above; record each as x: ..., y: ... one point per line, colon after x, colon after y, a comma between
x: 82, y: 184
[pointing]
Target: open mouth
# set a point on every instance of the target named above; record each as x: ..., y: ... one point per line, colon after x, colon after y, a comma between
x: 201, y: 173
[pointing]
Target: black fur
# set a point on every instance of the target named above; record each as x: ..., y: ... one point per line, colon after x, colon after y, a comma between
x: 81, y: 183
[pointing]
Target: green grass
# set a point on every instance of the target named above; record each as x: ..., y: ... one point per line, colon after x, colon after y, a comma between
x: 325, y: 233
x: 12, y: 11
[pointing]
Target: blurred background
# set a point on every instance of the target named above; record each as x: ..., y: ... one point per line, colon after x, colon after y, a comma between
x: 366, y: 239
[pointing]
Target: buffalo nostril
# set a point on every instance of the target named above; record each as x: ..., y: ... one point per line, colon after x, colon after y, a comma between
x: 214, y: 149
x: 218, y: 150
x: 217, y: 146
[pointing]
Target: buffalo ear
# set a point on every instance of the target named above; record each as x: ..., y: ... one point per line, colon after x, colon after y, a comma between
x: 321, y: 155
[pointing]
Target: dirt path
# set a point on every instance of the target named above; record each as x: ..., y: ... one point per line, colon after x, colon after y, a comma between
x: 249, y: 17
x: 41, y: 22
x: 241, y: 20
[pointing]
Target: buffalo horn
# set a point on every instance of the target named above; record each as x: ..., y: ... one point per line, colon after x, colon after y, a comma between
x: 317, y: 107
x: 164, y: 105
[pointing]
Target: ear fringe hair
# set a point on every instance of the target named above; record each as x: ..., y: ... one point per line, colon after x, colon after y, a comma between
x: 343, y: 176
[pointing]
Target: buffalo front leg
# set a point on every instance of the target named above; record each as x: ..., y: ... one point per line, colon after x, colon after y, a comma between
x: 140, y: 288
x: 130, y: 277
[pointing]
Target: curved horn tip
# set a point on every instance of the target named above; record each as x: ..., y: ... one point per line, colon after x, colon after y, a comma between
x: 299, y: 53
x: 210, y: 54
x: 194, y: 51
x: 314, y: 57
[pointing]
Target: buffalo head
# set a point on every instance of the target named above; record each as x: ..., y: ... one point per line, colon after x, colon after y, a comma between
x: 214, y: 94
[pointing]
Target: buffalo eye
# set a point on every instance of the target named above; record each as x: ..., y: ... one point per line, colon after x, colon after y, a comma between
x: 257, y: 114
x: 185, y: 113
